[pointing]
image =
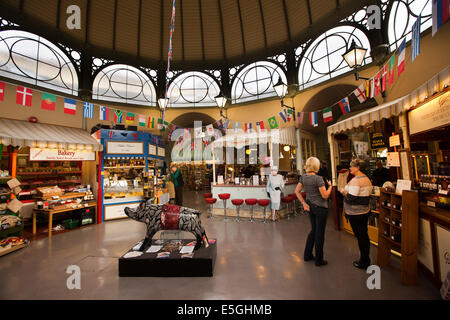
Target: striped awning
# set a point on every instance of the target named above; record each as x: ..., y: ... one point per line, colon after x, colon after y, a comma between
x: 27, y: 134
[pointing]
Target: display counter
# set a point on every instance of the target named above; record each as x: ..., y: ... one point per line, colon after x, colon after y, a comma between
x: 247, y: 192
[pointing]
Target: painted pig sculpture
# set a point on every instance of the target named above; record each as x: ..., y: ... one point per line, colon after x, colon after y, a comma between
x: 167, y: 217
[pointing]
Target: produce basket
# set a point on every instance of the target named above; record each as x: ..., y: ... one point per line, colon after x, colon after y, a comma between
x: 71, y: 223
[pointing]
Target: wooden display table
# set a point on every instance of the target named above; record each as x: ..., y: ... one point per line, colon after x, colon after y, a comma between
x: 50, y: 214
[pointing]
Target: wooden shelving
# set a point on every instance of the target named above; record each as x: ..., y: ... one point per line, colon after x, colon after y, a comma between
x: 402, y: 239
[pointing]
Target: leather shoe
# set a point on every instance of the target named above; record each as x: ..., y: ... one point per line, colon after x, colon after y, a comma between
x: 360, y: 265
x: 321, y: 263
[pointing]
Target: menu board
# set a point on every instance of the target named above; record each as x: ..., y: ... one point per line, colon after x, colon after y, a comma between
x: 161, y: 152
x: 116, y: 147
x: 394, y: 141
x: 152, y: 149
x: 393, y: 159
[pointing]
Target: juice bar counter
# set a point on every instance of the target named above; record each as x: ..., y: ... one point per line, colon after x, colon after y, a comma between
x: 247, y: 192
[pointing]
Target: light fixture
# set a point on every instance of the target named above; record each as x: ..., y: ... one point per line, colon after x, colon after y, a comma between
x: 354, y: 57
x: 163, y: 102
x: 287, y: 148
x: 282, y: 89
x: 221, y: 102
x: 247, y: 152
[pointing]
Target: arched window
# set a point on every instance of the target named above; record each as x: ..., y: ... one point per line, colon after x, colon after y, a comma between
x: 193, y: 89
x: 123, y: 83
x: 29, y: 58
x: 323, y: 58
x: 402, y: 16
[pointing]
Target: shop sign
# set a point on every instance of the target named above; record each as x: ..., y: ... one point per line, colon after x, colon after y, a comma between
x: 151, y: 149
x: 377, y: 140
x: 433, y: 114
x: 37, y: 154
x: 116, y: 147
x: 161, y: 152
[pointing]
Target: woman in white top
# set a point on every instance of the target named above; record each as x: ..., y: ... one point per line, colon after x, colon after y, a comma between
x: 357, y: 210
x: 274, y: 186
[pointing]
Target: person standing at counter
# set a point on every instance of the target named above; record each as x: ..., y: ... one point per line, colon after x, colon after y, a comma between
x: 274, y: 186
x: 178, y: 183
x: 316, y: 205
x: 380, y: 175
x: 356, y: 205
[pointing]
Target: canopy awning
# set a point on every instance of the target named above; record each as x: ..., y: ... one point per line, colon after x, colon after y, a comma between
x: 386, y: 110
x: 27, y: 134
x: 285, y: 136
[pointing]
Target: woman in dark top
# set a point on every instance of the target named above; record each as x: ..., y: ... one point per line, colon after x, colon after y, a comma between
x: 178, y: 183
x: 316, y: 205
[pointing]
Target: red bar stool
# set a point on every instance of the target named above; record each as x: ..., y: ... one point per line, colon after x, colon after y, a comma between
x: 211, y: 201
x: 238, y: 203
x: 288, y: 201
x: 251, y: 203
x: 264, y: 203
x: 224, y: 197
x: 207, y: 195
x: 295, y: 202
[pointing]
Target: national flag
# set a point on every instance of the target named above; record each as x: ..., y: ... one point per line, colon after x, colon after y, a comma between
x: 290, y: 114
x: 368, y: 86
x: 283, y: 115
x: 415, y: 40
x: 273, y: 123
x: 210, y: 130
x: 70, y: 106
x: 440, y: 10
x: 88, y: 110
x: 248, y: 127
x: 384, y: 76
x: 377, y: 80
x: 360, y: 93
x: 401, y: 58
x: 327, y: 114
x: 372, y: 87
x: 391, y: 69
x: 162, y: 125
x: 300, y: 117
x: 236, y: 127
x: 118, y: 115
x: 2, y: 90
x: 151, y: 122
x: 345, y: 105
x: 24, y: 96
x: 104, y: 113
x: 130, y: 118
x: 141, y: 120
x: 313, y: 119
x: 226, y: 124
x: 48, y: 101
x: 220, y: 124
x: 260, y: 126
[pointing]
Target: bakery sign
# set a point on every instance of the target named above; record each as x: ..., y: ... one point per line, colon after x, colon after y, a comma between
x: 38, y: 154
x: 431, y: 115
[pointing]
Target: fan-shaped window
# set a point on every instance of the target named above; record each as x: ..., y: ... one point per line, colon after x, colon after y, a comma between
x: 256, y: 81
x: 193, y: 89
x: 323, y: 58
x: 123, y: 83
x: 32, y: 59
x: 402, y: 16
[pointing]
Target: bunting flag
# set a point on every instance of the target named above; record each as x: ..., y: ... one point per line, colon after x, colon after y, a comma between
x: 372, y: 87
x: 290, y: 114
x: 260, y: 126
x: 70, y: 106
x: 141, y: 120
x: 300, y: 117
x: 88, y: 110
x: 273, y: 123
x: 384, y: 76
x: 48, y: 101
x: 118, y: 115
x: 440, y: 10
x: 2, y: 91
x: 104, y: 113
x: 24, y: 96
x: 236, y: 127
x: 220, y: 124
x: 283, y: 115
x: 345, y: 106
x: 313, y: 119
x: 327, y: 114
x: 360, y: 93
x: 391, y: 70
x: 151, y: 122
x: 130, y: 118
x: 368, y: 86
x: 226, y: 124
x: 162, y: 125
x: 210, y: 129
x: 248, y: 127
x: 377, y: 80
x: 415, y: 40
x: 401, y: 57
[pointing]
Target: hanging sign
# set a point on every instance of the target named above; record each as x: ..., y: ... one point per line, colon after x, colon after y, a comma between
x: 151, y: 149
x: 116, y: 147
x: 433, y: 114
x: 37, y: 154
x: 161, y: 152
x: 377, y: 140
x: 393, y: 159
x: 394, y: 141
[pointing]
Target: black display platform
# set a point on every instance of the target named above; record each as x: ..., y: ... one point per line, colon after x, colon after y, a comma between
x: 148, y: 265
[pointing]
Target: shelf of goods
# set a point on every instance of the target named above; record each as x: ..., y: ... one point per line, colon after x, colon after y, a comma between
x: 398, y: 230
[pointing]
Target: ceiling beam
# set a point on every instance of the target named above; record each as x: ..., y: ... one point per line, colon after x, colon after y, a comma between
x: 242, y: 26
x: 88, y: 14
x: 182, y: 29
x: 263, y: 23
x: 139, y: 29
x: 115, y: 25
x: 21, y: 6
x: 309, y: 12
x: 286, y: 18
x: 337, y: 4
x: 58, y: 14
x: 161, y: 31
x: 224, y: 52
x: 201, y: 29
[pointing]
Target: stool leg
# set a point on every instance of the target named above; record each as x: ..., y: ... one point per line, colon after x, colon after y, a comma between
x: 225, y: 210
x: 237, y: 213
x: 251, y: 214
x: 288, y: 210
x: 211, y: 212
x: 264, y: 213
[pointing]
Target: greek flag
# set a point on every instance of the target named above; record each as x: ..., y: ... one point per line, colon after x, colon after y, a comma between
x: 415, y: 41
x: 88, y: 110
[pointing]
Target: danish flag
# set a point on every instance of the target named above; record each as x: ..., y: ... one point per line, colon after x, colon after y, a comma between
x: 24, y: 96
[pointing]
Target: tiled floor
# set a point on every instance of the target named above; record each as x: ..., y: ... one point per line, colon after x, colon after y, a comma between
x: 255, y: 261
